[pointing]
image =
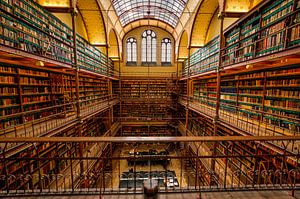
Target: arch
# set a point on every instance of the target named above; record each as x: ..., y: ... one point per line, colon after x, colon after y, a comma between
x: 94, y: 22
x: 151, y: 23
x: 113, y: 45
x: 201, y: 22
x: 183, y: 46
x: 207, y: 14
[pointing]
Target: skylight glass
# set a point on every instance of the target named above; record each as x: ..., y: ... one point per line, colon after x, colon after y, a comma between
x: 168, y: 11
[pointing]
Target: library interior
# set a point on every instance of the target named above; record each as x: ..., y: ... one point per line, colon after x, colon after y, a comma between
x: 150, y: 98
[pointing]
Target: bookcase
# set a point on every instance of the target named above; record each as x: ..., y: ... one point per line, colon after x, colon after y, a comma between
x: 144, y: 98
x: 205, y: 91
x: 237, y: 166
x: 205, y: 59
x: 92, y: 59
x: 271, y: 95
x: 93, y: 126
x: 92, y: 89
x: 270, y: 28
x: 29, y: 94
x: 26, y: 26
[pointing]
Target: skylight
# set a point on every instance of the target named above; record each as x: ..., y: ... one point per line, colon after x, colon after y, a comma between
x: 168, y: 11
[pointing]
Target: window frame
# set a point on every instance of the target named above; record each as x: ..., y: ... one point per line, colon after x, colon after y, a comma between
x: 165, y: 41
x: 134, y: 40
x: 153, y: 55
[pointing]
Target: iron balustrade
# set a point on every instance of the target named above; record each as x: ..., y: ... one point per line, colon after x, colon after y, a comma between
x: 64, y: 171
x: 45, y: 125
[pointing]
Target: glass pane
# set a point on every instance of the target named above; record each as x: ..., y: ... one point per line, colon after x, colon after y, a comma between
x: 168, y: 11
x: 169, y: 52
x: 134, y: 55
x: 144, y: 47
x: 129, y: 52
x: 163, y: 52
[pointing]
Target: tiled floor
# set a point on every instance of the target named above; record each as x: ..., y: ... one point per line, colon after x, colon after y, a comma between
x: 210, y: 195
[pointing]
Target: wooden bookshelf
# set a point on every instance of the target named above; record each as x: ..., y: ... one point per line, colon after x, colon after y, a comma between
x: 201, y: 126
x: 26, y: 26
x: 32, y: 93
x: 92, y: 59
x: 14, y: 166
x: 270, y: 28
x: 26, y: 92
x: 92, y: 89
x: 271, y: 96
x: 205, y: 59
x: 143, y: 98
x: 205, y: 91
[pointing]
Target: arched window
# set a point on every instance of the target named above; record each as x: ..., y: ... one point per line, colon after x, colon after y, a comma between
x: 149, y: 46
x: 131, y: 50
x: 166, y: 50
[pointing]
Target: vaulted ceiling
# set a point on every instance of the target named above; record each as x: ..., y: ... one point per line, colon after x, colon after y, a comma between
x: 168, y: 11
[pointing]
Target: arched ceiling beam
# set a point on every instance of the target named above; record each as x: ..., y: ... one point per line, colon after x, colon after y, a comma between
x: 148, y: 22
x: 93, y: 19
x: 201, y: 22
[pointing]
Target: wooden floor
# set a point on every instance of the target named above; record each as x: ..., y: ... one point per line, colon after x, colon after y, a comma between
x: 210, y: 195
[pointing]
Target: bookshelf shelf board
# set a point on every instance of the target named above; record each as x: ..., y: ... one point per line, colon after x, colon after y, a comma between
x: 35, y: 85
x: 8, y: 73
x: 8, y: 84
x: 9, y: 106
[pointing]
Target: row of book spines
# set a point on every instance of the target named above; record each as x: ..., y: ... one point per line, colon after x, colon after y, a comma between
x: 283, y: 93
x: 34, y: 48
x: 272, y: 73
x: 295, y: 33
x: 11, y: 111
x: 8, y: 90
x: 277, y: 12
x: 273, y: 29
x: 251, y: 102
x: 266, y: 73
x: 29, y: 80
x: 26, y: 33
x: 6, y: 124
x: 42, y: 98
x: 8, y: 101
x: 40, y: 16
x: 63, y: 54
x: 269, y: 42
x: 284, y: 104
x: 252, y: 109
x: 274, y: 94
x: 7, y: 79
x: 258, y: 101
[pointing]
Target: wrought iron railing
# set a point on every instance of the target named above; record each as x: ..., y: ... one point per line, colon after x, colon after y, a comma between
x: 63, y: 171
